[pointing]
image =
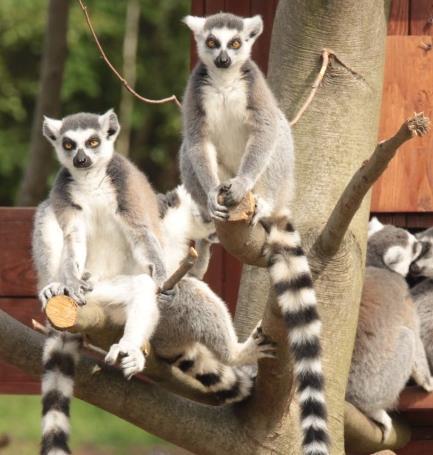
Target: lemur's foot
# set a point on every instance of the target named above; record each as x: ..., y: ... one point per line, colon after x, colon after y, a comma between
x: 262, y: 210
x: 56, y: 288
x: 265, y: 346
x: 167, y: 297
x: 234, y: 190
x: 384, y: 421
x: 130, y: 358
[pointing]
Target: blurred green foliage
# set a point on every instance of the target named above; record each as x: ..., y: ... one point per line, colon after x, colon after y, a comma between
x: 162, y: 69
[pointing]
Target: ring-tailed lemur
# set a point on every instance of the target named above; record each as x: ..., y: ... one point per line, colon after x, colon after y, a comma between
x: 236, y: 140
x: 101, y: 220
x: 422, y: 293
x: 110, y: 190
x: 388, y: 349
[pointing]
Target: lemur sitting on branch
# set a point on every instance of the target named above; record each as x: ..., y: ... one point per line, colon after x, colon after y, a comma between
x: 237, y: 140
x: 388, y: 349
x: 99, y: 239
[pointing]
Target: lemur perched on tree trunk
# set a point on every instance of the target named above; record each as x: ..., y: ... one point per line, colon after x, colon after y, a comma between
x: 236, y: 140
x: 99, y: 239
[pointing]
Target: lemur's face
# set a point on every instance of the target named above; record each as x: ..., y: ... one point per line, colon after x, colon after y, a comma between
x: 224, y: 40
x: 83, y: 140
x: 423, y: 265
x: 396, y: 247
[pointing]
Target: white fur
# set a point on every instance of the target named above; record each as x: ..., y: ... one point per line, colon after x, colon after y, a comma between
x: 374, y: 226
x: 306, y: 333
x: 55, y: 420
x: 314, y: 366
x: 54, y: 381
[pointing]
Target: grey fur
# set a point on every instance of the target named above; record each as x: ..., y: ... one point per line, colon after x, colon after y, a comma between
x: 388, y: 349
x: 82, y: 120
x: 224, y: 20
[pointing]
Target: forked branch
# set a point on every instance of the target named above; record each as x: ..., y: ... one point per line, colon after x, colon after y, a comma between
x: 333, y: 233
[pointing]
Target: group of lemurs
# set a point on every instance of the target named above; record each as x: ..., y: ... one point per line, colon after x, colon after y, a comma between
x: 104, y: 236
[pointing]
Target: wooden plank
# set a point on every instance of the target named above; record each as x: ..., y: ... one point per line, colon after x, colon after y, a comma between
x: 214, y: 6
x: 417, y: 448
x: 416, y: 406
x: 261, y: 47
x: 16, y: 273
x: 214, y: 274
x: 421, y: 13
x: 13, y: 380
x: 407, y: 184
x: 238, y: 7
x: 399, y: 18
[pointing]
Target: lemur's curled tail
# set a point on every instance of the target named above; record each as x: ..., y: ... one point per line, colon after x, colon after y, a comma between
x: 293, y: 285
x: 60, y: 358
x: 228, y: 384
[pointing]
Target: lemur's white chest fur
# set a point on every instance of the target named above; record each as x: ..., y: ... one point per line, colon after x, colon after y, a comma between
x: 225, y: 104
x: 108, y: 251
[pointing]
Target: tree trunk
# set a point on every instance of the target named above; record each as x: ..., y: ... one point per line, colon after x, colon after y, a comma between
x: 34, y: 183
x: 129, y: 73
x: 335, y: 135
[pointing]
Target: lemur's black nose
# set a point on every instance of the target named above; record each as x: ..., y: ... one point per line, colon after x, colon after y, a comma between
x: 223, y: 60
x: 81, y: 159
x: 414, y: 269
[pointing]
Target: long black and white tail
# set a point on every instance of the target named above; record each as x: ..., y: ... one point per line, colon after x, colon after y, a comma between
x: 60, y: 358
x: 228, y: 384
x: 293, y: 285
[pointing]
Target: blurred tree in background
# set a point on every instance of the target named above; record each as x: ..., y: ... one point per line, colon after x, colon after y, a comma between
x: 88, y: 85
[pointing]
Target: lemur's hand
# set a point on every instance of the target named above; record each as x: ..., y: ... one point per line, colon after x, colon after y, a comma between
x: 217, y: 211
x: 167, y: 297
x: 76, y: 288
x: 234, y: 190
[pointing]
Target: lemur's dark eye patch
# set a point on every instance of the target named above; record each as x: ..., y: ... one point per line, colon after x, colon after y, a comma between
x: 235, y: 43
x: 212, y: 42
x: 93, y: 142
x: 68, y: 144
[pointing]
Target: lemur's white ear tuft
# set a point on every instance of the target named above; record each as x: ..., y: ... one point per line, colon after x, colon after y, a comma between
x: 374, y: 226
x: 195, y: 23
x: 110, y: 124
x: 51, y: 128
x: 394, y: 259
x: 253, y: 27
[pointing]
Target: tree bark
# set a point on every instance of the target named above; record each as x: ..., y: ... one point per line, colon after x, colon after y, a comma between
x: 335, y: 135
x: 33, y: 186
x: 129, y: 73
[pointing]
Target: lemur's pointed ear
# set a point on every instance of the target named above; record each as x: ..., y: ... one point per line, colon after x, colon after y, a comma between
x: 253, y: 27
x: 374, y: 226
x: 195, y: 23
x: 110, y: 124
x: 51, y: 128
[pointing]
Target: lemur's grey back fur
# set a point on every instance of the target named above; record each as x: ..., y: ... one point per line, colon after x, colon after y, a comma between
x: 236, y: 139
x: 388, y: 349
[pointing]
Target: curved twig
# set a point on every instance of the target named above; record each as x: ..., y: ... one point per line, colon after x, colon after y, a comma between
x: 326, y: 53
x: 170, y: 99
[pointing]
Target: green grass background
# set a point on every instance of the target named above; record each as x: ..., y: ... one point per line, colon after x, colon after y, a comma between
x: 94, y: 431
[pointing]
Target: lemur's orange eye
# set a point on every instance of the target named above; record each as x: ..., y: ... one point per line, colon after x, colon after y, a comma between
x: 68, y: 145
x: 93, y: 143
x: 211, y: 43
x: 235, y: 44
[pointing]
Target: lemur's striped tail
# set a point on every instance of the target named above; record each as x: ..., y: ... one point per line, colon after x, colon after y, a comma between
x: 228, y: 384
x: 293, y: 285
x: 60, y: 357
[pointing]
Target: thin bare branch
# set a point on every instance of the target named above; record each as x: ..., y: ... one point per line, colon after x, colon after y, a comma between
x: 170, y: 99
x: 326, y: 53
x: 333, y: 233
